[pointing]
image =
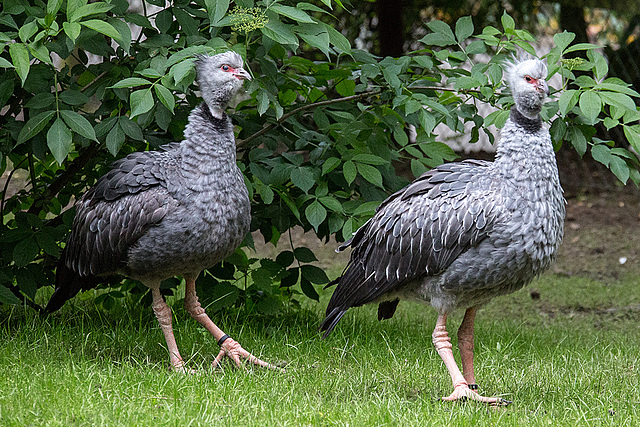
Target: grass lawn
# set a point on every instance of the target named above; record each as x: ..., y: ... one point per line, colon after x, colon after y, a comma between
x: 570, y: 357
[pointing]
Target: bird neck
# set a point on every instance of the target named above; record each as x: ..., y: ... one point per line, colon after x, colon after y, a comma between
x: 209, y: 143
x: 525, y: 152
x: 529, y: 124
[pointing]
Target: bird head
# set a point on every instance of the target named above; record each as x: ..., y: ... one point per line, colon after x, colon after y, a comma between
x: 526, y: 79
x: 220, y: 77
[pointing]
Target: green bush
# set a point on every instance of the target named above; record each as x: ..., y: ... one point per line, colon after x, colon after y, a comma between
x: 319, y: 135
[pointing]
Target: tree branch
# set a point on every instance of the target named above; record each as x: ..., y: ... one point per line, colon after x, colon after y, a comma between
x: 267, y: 127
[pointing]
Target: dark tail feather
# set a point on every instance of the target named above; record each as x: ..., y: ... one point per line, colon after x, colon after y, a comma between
x: 331, y: 321
x: 68, y: 284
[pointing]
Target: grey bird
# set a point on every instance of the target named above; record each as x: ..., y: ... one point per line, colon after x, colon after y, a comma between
x: 175, y: 211
x: 463, y: 233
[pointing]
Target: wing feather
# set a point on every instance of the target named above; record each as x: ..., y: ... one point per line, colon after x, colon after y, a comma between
x: 419, y: 230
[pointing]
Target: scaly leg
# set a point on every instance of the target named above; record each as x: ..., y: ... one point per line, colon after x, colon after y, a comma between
x: 229, y: 347
x: 465, y: 344
x: 461, y: 390
x: 163, y: 314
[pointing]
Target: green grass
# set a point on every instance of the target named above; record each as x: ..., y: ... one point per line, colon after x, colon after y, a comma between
x: 571, y: 357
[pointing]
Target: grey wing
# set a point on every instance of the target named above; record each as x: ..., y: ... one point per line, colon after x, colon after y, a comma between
x: 418, y: 231
x: 115, y: 213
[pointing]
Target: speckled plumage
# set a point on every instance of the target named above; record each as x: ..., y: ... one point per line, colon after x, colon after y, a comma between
x: 464, y: 232
x: 157, y: 214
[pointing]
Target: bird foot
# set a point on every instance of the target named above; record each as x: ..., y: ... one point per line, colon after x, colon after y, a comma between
x: 463, y: 392
x: 232, y: 349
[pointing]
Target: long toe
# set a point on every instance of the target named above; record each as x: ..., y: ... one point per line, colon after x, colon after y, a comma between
x: 463, y: 393
x: 232, y: 349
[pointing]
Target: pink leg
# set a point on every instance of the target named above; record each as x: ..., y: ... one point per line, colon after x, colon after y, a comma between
x: 163, y: 314
x: 230, y: 347
x: 461, y: 390
x: 465, y: 344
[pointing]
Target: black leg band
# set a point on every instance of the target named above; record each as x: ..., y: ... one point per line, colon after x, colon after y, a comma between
x: 223, y: 339
x: 473, y: 386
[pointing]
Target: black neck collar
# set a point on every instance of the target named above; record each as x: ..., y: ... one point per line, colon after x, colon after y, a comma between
x: 529, y: 125
x: 206, y: 113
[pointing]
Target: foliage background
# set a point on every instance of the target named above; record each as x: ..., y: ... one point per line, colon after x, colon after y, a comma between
x: 322, y: 134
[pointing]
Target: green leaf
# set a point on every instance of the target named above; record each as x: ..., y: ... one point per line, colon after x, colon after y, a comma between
x: 181, y: 70
x: 303, y: 254
x: 102, y: 27
x: 370, y: 159
x: 24, y: 252
x: 437, y: 39
x: 7, y: 297
x: 331, y: 203
x: 315, y: 35
x: 567, y: 101
x: 72, y: 30
x: 338, y: 40
x: 263, y: 102
x: 5, y: 64
x: 34, y: 126
x: 601, y: 153
x: 280, y: 33
x: 217, y: 10
x: 563, y: 39
x: 150, y: 73
x: 48, y: 244
x: 20, y: 59
x: 130, y: 128
x: 581, y: 46
x: 330, y: 164
x: 370, y: 173
x: 78, y: 124
x: 73, y: 97
x: 464, y: 28
x: 601, y: 66
x: 186, y: 21
x: 266, y: 194
x: 27, y: 31
x: 291, y: 12
x: 314, y: 274
x: 53, y: 6
x: 507, y: 21
x: 302, y: 178
x: 590, y: 105
x: 619, y: 168
x: 40, y: 52
x: 308, y: 289
x: 577, y: 139
x: 59, y: 140
x: 349, y: 171
x: 124, y: 33
x: 165, y: 96
x: 633, y: 136
x: 262, y: 279
x: 346, y: 87
x: 89, y: 9
x: 141, y: 102
x: 130, y: 82
x: 115, y: 139
x: 619, y: 100
x: 315, y: 213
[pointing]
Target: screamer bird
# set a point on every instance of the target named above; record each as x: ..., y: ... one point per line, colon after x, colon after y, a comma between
x: 175, y: 211
x: 463, y: 233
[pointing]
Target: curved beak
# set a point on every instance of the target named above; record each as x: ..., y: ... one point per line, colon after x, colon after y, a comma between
x: 242, y: 74
x: 542, y: 87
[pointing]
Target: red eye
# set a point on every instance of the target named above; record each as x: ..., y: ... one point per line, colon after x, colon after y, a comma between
x: 528, y: 79
x: 225, y: 67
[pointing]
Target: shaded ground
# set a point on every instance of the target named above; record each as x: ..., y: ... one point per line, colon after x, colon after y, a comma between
x: 602, y: 237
